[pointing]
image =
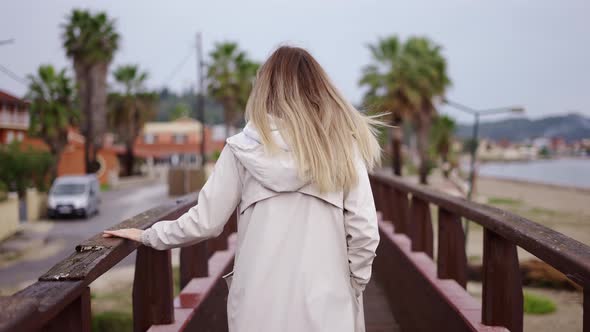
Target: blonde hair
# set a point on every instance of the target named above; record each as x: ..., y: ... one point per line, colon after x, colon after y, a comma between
x: 323, y: 130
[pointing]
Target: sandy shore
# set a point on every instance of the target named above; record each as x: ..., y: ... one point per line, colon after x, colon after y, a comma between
x: 564, y: 209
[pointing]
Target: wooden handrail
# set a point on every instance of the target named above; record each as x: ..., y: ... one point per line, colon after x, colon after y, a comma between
x: 406, y: 205
x: 60, y: 299
x: 565, y: 254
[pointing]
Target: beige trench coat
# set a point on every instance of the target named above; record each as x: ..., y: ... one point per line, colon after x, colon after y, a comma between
x: 303, y: 258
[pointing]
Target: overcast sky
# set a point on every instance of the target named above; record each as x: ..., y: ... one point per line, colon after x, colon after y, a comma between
x: 533, y: 53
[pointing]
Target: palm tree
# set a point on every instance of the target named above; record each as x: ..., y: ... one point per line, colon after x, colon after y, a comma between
x: 230, y: 77
x: 431, y: 83
x: 405, y: 79
x: 90, y: 40
x: 129, y: 110
x: 441, y: 136
x: 390, y: 81
x: 52, y: 110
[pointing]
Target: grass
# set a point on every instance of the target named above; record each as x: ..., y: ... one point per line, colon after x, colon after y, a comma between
x: 113, y: 309
x: 504, y: 201
x: 105, y: 187
x: 109, y: 321
x: 538, y: 305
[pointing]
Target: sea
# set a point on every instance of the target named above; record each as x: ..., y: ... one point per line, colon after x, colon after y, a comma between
x: 563, y: 171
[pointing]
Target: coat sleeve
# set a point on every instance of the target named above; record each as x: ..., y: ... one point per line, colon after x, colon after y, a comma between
x: 362, y: 232
x: 217, y: 200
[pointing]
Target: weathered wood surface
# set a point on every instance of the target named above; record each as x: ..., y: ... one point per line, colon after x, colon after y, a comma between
x: 587, y: 310
x: 153, y: 293
x: 565, y: 254
x: 76, y: 317
x: 193, y: 262
x: 452, y: 258
x: 401, y: 206
x: 378, y: 316
x: 16, y: 312
x: 421, y: 227
x: 52, y: 297
x: 502, y: 299
x: 97, y: 255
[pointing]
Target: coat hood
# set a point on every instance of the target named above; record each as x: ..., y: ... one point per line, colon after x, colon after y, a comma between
x: 277, y: 172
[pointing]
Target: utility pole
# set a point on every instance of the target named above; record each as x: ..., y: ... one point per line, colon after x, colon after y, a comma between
x: 200, y: 97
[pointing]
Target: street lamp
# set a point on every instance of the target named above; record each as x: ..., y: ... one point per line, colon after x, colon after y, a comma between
x: 475, y: 139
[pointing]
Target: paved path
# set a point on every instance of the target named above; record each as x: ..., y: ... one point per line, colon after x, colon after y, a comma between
x: 65, y: 234
x: 378, y: 317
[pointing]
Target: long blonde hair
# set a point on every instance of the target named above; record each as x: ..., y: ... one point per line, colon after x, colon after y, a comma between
x: 322, y: 129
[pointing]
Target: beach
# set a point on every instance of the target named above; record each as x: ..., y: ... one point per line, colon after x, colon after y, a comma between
x: 563, y: 209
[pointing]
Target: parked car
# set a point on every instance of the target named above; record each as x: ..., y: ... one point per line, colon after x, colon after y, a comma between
x: 74, y: 195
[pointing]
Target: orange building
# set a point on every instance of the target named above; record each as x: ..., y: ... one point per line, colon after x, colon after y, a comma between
x: 14, y: 118
x: 176, y: 141
x: 14, y: 125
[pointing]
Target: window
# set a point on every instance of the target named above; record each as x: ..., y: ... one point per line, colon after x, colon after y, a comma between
x: 149, y: 138
x: 20, y: 136
x: 180, y: 138
x: 9, y: 136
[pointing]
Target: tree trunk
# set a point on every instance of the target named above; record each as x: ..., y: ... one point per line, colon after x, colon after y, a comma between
x: 129, y: 159
x: 98, y: 100
x: 422, y: 131
x: 396, y: 143
x: 84, y: 86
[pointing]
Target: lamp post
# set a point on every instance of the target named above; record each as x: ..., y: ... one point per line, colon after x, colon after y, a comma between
x: 475, y: 139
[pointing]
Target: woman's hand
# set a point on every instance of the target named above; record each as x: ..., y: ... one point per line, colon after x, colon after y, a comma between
x: 126, y: 233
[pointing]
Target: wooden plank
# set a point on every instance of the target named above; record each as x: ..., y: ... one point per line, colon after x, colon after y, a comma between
x: 152, y: 289
x: 421, y: 227
x: 193, y: 262
x: 17, y: 313
x: 502, y: 302
x: 563, y: 253
x: 452, y: 259
x: 401, y: 211
x: 586, y: 313
x: 76, y: 317
x: 220, y: 243
x: 97, y: 255
x: 52, y: 297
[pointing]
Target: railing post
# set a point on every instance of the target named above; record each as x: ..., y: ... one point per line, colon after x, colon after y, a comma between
x: 220, y: 243
x: 400, y: 211
x: 421, y: 227
x: 452, y: 259
x: 76, y: 317
x: 152, y: 289
x: 502, y: 303
x: 586, y: 312
x: 194, y: 262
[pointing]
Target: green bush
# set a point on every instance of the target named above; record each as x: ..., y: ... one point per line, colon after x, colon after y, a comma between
x: 22, y: 167
x: 111, y: 321
x: 538, y: 305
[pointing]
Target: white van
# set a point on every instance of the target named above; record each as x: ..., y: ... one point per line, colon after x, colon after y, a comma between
x: 74, y: 195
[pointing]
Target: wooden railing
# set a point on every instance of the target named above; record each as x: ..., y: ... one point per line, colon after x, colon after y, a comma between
x: 60, y: 299
x: 407, y: 207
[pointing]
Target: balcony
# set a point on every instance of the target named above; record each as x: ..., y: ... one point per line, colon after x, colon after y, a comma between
x: 14, y: 120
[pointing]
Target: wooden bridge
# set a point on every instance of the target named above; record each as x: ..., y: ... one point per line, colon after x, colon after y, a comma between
x: 410, y: 290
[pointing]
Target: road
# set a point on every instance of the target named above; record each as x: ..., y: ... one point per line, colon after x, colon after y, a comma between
x: 116, y: 206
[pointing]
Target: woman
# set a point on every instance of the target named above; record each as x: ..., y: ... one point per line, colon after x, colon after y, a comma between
x: 307, y: 227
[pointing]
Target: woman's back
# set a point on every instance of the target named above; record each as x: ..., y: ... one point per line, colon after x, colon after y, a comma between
x: 307, y: 226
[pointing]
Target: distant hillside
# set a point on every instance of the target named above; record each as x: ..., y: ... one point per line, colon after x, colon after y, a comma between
x: 570, y: 127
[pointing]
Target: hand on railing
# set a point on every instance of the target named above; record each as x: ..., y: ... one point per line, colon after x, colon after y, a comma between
x: 126, y: 233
